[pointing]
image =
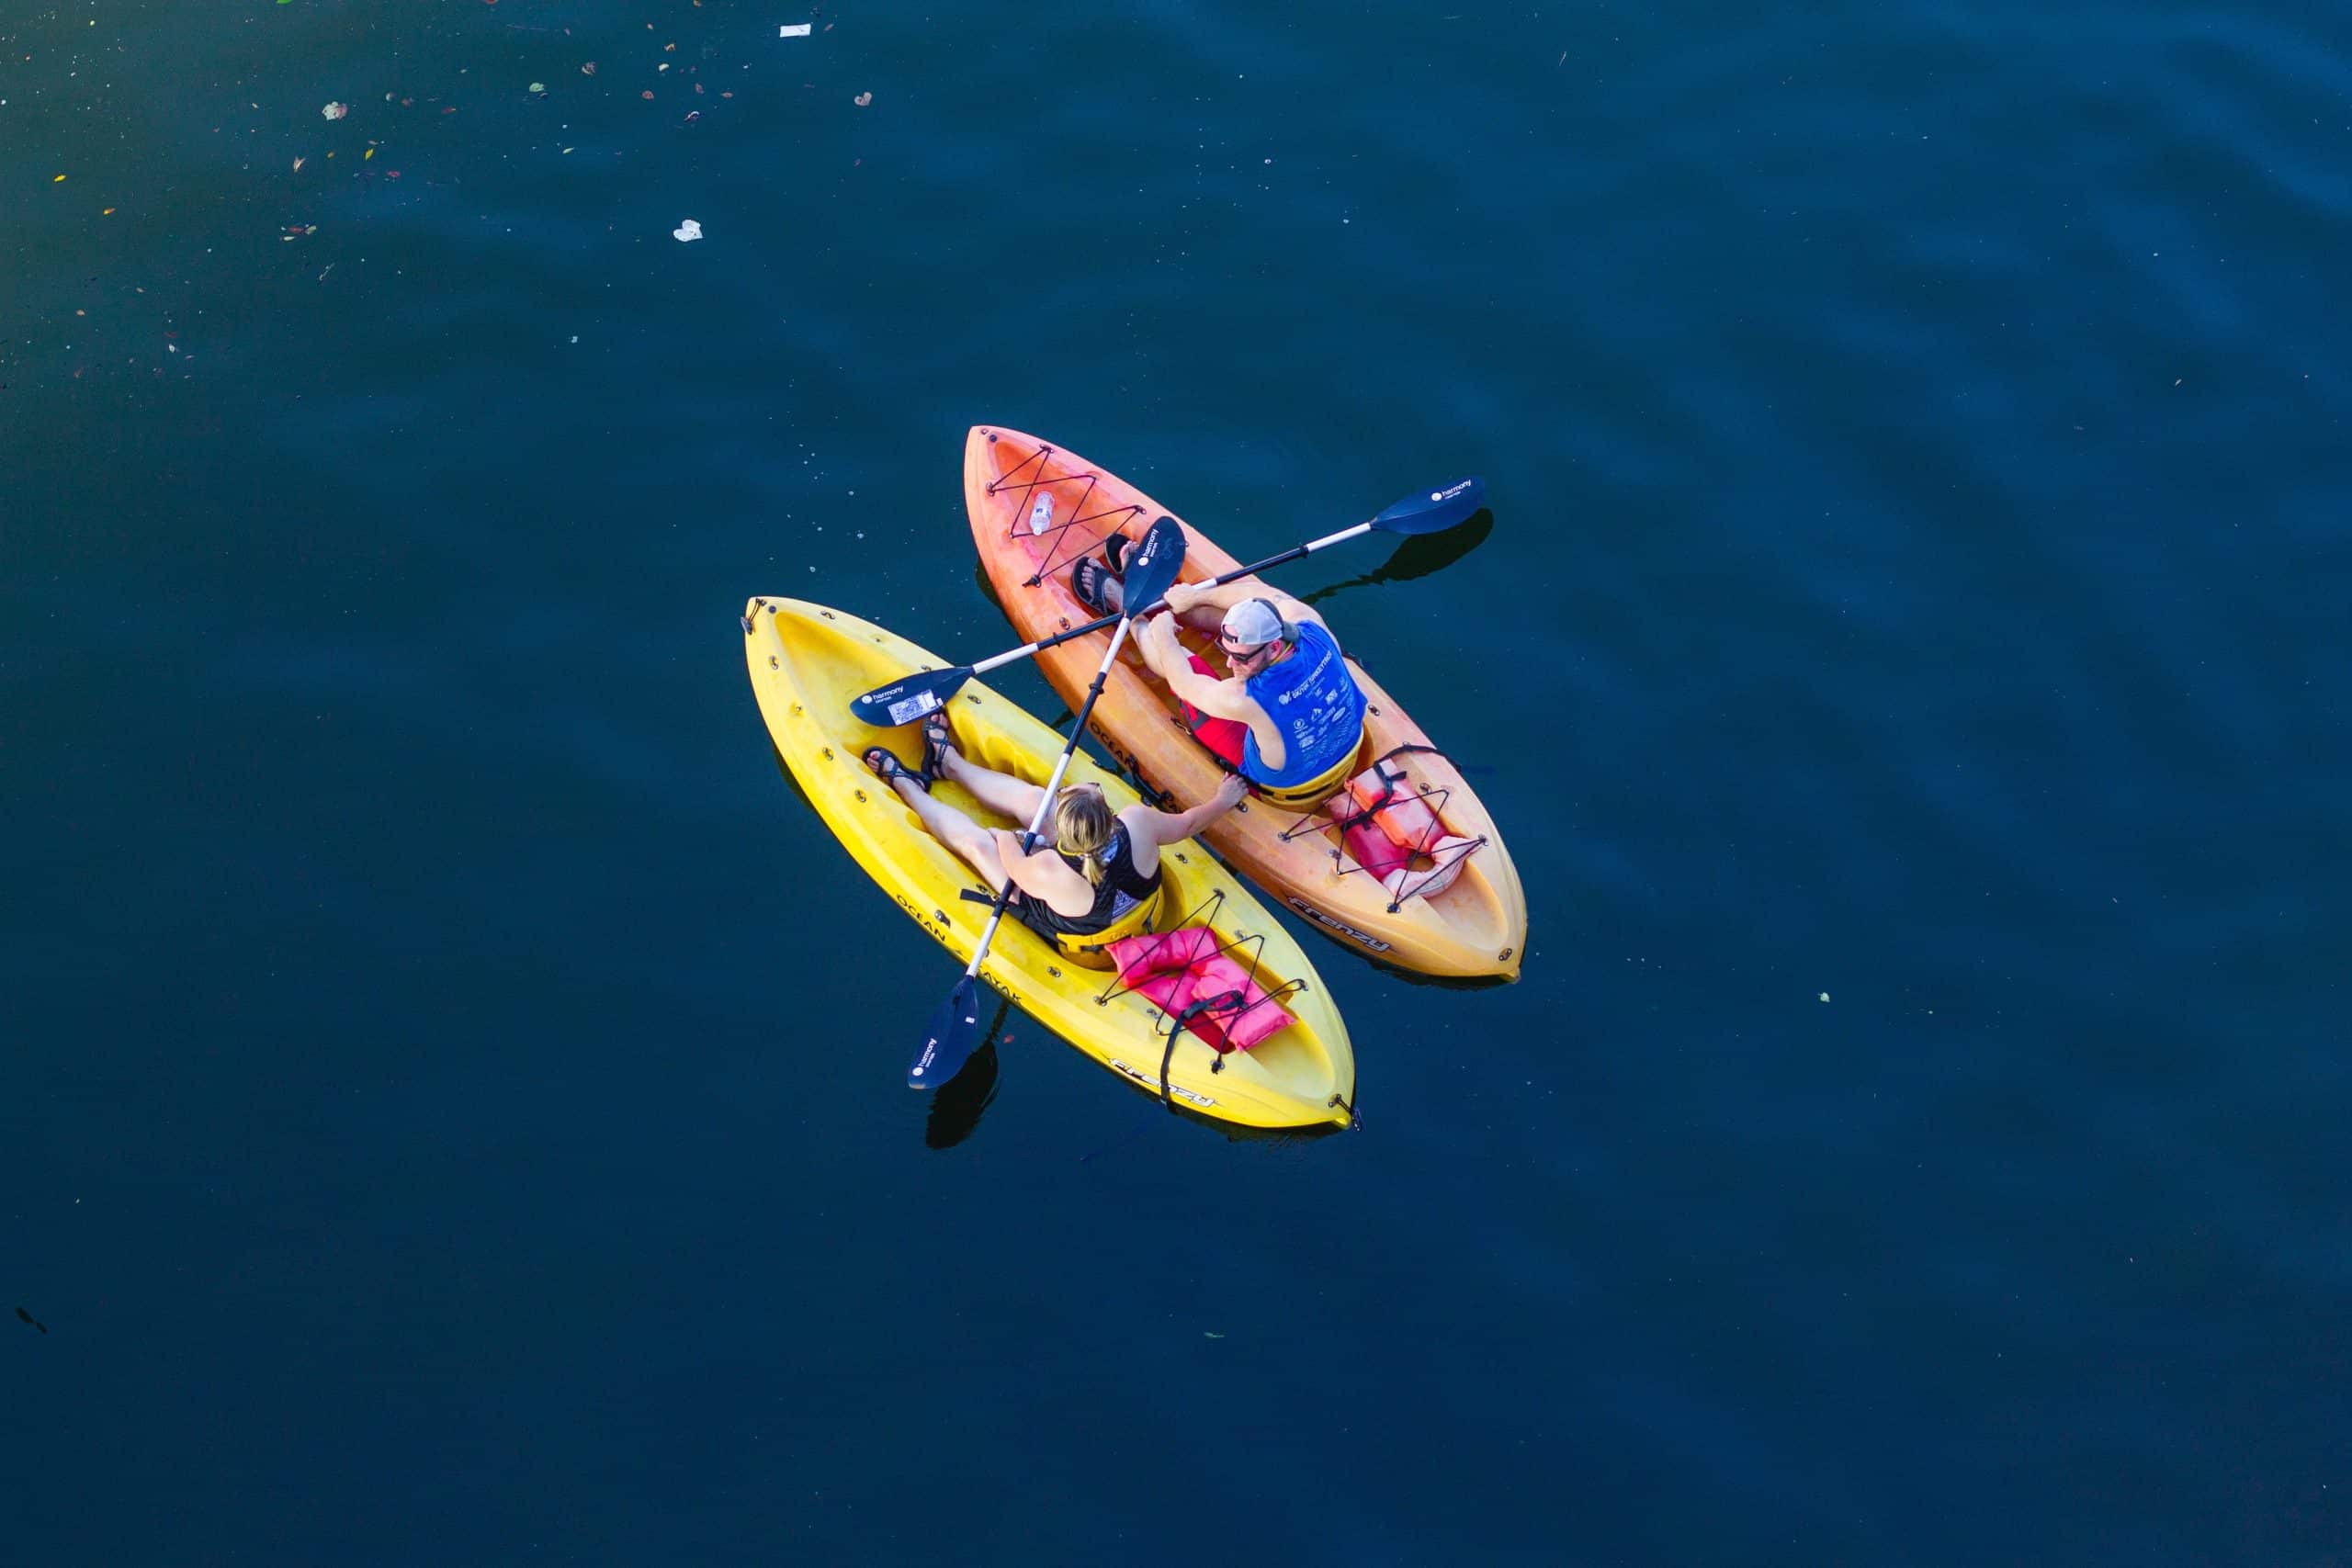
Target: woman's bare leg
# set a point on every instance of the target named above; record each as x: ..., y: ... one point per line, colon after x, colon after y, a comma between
x: 967, y: 838
x: 1000, y: 793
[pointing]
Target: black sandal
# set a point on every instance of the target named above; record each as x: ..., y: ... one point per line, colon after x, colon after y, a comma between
x: 937, y: 737
x: 1114, y: 554
x: 1094, y: 586
x: 889, y: 769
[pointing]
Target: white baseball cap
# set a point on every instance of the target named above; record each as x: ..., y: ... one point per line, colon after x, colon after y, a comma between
x: 1255, y: 621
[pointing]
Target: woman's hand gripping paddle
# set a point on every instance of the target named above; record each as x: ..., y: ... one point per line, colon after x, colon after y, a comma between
x: 954, y: 1029
x: 910, y: 697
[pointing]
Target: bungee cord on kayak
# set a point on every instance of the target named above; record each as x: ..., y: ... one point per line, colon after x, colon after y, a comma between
x: 1077, y: 517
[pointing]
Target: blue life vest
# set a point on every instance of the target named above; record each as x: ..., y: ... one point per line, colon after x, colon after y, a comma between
x: 1314, y: 702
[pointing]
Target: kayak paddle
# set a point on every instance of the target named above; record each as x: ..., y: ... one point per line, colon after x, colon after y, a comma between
x: 910, y: 697
x: 954, y: 1029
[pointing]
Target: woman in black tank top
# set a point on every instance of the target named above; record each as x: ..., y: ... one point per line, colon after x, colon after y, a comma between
x: 1120, y: 888
x: 1084, y: 876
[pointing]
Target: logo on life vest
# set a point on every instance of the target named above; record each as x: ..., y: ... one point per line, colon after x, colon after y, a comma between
x: 1320, y: 919
x: 1306, y: 686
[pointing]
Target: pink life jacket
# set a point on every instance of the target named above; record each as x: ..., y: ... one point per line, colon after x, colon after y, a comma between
x: 1177, y: 968
x: 1382, y: 798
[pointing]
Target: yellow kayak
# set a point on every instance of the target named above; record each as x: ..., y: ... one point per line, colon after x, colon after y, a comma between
x: 807, y: 661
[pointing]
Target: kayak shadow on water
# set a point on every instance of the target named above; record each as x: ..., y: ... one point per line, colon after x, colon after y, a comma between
x: 786, y: 768
x: 1433, y: 982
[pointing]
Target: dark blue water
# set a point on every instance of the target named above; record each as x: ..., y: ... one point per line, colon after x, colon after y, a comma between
x: 453, y: 1103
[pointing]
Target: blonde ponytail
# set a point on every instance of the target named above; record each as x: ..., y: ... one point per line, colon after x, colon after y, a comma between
x: 1083, y: 825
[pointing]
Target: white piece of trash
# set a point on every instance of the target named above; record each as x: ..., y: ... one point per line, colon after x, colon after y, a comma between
x: 688, y: 229
x: 795, y: 29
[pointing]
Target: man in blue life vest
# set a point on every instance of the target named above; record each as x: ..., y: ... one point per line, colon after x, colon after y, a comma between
x: 1289, y: 717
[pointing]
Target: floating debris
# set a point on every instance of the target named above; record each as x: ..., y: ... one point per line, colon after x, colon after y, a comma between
x: 793, y: 29
x: 688, y: 229
x: 335, y: 111
x: 862, y: 99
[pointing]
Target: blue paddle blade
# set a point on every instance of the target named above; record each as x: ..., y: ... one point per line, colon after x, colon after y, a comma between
x: 949, y: 1040
x: 1152, y: 564
x: 1434, y: 509
x: 911, y: 698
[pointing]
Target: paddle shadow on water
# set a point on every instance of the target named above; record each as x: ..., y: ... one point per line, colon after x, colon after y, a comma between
x: 1419, y: 555
x: 957, y: 1104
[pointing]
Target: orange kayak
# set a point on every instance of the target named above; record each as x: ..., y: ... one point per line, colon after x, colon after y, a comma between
x: 1474, y: 928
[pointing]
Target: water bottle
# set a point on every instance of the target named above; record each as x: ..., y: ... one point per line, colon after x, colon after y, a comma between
x: 1041, y: 512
